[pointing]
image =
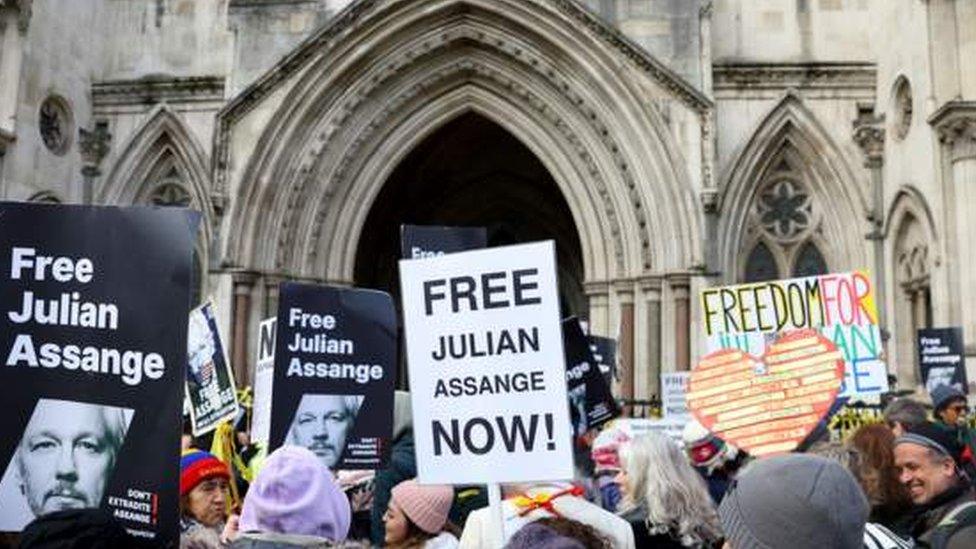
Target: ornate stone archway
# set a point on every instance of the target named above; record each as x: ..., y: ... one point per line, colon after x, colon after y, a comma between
x: 306, y: 150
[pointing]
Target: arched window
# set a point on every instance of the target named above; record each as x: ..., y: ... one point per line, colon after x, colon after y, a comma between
x: 761, y: 264
x: 783, y: 222
x: 809, y: 261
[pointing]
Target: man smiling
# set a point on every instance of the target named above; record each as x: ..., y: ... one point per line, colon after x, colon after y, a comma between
x: 927, y: 458
x: 67, y: 454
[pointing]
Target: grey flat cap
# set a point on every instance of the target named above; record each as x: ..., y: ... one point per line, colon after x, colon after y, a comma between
x: 795, y: 501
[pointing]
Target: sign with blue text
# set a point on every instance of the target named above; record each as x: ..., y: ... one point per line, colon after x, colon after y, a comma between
x: 841, y: 306
x: 486, y: 363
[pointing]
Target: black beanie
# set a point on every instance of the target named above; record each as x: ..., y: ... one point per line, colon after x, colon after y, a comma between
x: 940, y: 439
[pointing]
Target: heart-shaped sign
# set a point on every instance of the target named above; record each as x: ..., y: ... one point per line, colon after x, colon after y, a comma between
x: 767, y: 405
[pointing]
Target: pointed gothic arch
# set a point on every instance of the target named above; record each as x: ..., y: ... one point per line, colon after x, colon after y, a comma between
x: 912, y: 246
x: 791, y: 133
x: 385, y: 77
x: 161, y: 153
x: 163, y: 164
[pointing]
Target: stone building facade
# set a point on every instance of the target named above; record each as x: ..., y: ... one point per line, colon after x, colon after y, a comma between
x: 666, y: 145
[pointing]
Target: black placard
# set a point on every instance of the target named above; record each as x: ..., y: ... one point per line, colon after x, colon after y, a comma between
x: 93, y: 336
x: 942, y: 358
x: 419, y: 241
x: 591, y: 402
x: 604, y: 351
x: 335, y: 358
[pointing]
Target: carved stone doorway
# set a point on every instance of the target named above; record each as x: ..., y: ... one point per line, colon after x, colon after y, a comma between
x: 471, y: 172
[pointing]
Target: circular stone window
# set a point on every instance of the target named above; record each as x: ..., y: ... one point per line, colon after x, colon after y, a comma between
x: 902, y: 108
x: 55, y: 125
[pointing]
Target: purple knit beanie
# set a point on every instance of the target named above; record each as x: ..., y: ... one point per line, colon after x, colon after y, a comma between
x: 295, y: 494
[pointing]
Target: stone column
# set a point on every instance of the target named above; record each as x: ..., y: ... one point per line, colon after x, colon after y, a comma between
x: 94, y: 145
x: 682, y: 322
x: 598, y: 295
x: 243, y: 285
x: 650, y: 379
x: 11, y: 57
x: 625, y: 341
x: 271, y: 295
x: 869, y: 134
x: 955, y: 123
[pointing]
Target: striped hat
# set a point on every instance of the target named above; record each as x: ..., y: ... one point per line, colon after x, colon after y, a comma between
x: 197, y: 466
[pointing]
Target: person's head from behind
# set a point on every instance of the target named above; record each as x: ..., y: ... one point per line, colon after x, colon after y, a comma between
x: 416, y: 513
x: 903, y: 413
x: 875, y: 470
x: 797, y: 501
x: 558, y: 533
x: 927, y: 460
x: 321, y: 424
x: 90, y: 528
x: 295, y: 494
x: 949, y: 405
x: 655, y: 473
x: 67, y: 453
x: 204, y: 487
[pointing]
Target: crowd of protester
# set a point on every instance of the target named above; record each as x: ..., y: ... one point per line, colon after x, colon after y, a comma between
x: 906, y: 482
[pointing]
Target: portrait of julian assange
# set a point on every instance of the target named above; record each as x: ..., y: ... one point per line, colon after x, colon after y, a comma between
x: 322, y: 422
x: 64, y: 460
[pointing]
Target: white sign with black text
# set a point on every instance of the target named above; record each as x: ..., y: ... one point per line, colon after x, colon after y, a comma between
x: 486, y: 363
x: 263, y: 381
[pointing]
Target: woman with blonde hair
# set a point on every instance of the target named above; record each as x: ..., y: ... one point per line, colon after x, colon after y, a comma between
x: 664, y: 499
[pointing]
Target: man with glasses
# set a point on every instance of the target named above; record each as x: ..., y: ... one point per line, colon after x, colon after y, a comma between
x: 951, y: 411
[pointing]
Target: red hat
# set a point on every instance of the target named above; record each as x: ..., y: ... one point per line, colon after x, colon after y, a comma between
x: 197, y: 466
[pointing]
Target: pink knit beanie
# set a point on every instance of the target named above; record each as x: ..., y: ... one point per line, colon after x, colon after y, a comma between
x: 426, y: 506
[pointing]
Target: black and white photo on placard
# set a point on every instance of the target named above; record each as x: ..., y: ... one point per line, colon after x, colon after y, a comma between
x: 64, y: 460
x: 322, y: 424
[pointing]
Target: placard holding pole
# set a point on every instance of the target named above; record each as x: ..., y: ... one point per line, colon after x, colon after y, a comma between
x: 486, y: 363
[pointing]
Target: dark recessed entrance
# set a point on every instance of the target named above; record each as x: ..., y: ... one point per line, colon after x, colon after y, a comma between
x: 472, y: 172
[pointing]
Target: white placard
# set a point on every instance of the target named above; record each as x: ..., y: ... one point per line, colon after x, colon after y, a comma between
x: 671, y: 427
x: 263, y: 380
x: 486, y: 363
x: 674, y: 385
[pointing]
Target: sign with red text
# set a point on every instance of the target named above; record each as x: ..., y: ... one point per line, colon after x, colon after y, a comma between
x: 841, y: 306
x: 486, y: 363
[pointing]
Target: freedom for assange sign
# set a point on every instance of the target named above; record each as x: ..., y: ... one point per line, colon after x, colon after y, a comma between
x: 486, y: 363
x: 841, y: 306
x: 93, y: 338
